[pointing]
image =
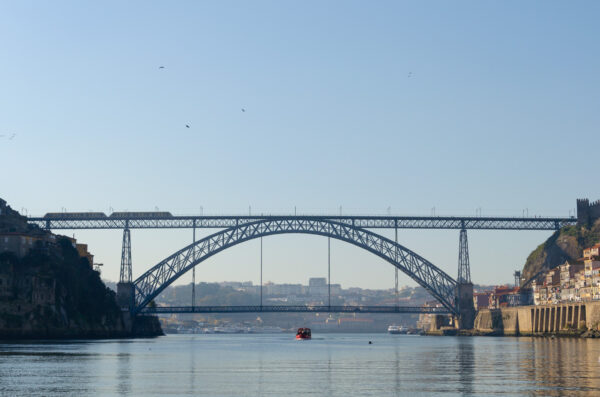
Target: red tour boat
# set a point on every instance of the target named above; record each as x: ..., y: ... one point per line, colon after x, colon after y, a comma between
x: 303, y: 333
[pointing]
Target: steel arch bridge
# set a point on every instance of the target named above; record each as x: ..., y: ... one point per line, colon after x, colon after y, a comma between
x: 438, y: 283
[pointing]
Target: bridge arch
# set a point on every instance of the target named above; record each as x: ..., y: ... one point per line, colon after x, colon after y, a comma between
x: 438, y: 283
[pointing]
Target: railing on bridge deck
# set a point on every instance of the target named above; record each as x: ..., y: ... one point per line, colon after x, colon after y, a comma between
x: 293, y: 309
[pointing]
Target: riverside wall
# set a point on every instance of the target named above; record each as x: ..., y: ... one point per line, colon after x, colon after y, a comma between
x: 559, y: 319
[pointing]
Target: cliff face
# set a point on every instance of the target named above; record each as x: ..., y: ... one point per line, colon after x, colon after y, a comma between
x: 565, y: 244
x: 11, y: 220
x: 53, y: 293
x: 47, y: 290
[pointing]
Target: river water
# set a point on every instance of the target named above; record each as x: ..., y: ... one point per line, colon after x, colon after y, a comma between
x: 328, y: 365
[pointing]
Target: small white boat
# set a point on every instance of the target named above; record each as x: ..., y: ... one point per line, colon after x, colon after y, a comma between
x: 397, y: 329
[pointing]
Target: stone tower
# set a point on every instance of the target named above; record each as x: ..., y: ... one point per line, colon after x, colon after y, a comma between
x: 587, y: 213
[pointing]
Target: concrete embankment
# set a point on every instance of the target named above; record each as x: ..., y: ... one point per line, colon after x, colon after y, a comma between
x: 568, y: 319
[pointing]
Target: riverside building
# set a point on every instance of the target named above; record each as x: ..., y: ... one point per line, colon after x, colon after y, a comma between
x: 573, y: 281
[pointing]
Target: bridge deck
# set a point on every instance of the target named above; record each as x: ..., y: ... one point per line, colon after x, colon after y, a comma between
x: 149, y: 221
x: 292, y: 309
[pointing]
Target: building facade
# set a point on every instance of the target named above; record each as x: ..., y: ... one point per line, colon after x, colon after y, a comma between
x: 573, y: 281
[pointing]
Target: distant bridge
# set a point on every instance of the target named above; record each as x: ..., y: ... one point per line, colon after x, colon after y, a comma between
x: 294, y: 309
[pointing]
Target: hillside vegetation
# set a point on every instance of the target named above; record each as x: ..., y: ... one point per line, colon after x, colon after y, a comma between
x: 565, y: 244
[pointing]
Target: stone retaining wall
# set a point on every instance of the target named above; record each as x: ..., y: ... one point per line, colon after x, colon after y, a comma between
x: 565, y: 318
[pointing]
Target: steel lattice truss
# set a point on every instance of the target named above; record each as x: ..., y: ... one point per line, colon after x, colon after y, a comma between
x: 464, y: 269
x: 125, y: 276
x: 293, y: 309
x: 101, y: 221
x: 437, y: 282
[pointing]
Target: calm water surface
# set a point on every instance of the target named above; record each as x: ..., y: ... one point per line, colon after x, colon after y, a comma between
x: 328, y: 365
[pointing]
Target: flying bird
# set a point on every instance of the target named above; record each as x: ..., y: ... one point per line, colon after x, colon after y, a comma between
x: 161, y: 67
x: 12, y: 136
x: 187, y: 126
x: 243, y: 110
x: 409, y: 74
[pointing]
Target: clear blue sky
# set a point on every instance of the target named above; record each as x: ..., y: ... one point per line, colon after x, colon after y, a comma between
x: 364, y: 105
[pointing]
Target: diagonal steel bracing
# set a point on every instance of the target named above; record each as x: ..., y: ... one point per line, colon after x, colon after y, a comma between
x: 437, y: 282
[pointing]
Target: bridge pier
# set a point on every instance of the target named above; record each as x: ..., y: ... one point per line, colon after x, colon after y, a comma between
x: 466, y: 307
x: 126, y: 296
x: 126, y: 301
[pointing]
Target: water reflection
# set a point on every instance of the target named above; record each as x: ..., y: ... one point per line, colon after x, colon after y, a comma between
x: 334, y: 365
x: 563, y: 366
x: 330, y: 385
x: 124, y: 369
x: 192, y: 368
x: 397, y: 369
x: 22, y: 364
x: 261, y: 379
x: 466, y: 365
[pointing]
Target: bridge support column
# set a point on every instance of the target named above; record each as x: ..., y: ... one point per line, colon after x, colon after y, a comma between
x: 125, y: 276
x: 125, y: 288
x: 464, y: 289
x: 464, y: 268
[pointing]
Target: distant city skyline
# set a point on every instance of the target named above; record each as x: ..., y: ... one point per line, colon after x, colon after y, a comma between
x: 406, y: 108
